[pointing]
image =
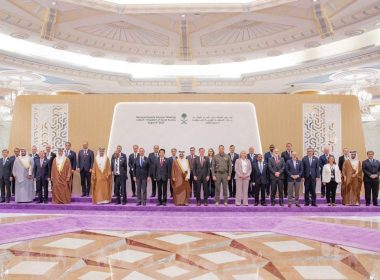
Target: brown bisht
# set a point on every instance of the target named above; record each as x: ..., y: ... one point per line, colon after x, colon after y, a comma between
x: 352, y: 183
x: 181, y: 185
x: 101, y: 182
x: 61, y: 181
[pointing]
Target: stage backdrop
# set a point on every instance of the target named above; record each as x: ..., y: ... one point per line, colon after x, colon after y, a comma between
x: 302, y: 120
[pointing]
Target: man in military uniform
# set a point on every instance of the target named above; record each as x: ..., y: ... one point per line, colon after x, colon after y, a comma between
x: 221, y: 172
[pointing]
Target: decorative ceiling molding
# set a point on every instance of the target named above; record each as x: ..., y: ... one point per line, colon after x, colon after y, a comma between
x: 126, y: 32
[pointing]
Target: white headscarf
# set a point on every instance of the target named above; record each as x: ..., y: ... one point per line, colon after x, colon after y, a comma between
x: 354, y: 162
x: 101, y: 161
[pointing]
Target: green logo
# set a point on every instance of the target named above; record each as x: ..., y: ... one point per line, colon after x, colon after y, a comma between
x: 183, y: 118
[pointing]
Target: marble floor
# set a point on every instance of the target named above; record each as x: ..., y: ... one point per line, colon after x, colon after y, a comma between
x: 106, y: 253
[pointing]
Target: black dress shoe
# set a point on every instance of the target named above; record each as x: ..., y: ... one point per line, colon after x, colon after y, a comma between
x: 8, y: 201
x: 134, y: 195
x: 2, y: 201
x: 117, y: 202
x: 88, y: 195
x: 367, y: 204
x: 322, y: 196
x: 298, y: 205
x: 263, y: 204
x: 256, y: 204
x: 144, y: 203
x: 124, y: 202
x: 83, y: 195
x: 272, y: 204
x: 138, y: 203
x: 163, y: 204
x: 158, y: 204
x: 45, y: 202
x: 306, y: 204
x: 206, y: 204
x: 313, y: 204
x: 281, y: 204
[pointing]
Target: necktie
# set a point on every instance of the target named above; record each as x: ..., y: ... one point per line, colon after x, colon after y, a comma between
x: 162, y: 162
x: 201, y: 161
x: 135, y: 156
x: 261, y: 167
x: 310, y: 161
x: 4, y: 161
x: 141, y: 162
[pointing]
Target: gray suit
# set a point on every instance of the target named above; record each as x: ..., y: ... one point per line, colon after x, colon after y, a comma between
x: 276, y: 182
x: 201, y: 171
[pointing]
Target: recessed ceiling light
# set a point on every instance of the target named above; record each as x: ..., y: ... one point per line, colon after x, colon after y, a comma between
x: 53, y: 3
x: 377, y: 23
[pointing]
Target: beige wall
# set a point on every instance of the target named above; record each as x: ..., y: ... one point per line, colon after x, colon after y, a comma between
x: 279, y: 117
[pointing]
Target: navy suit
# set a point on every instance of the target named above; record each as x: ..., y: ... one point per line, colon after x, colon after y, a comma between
x: 261, y: 180
x: 286, y: 155
x: 131, y: 162
x: 72, y: 156
x: 152, y: 158
x: 13, y: 158
x: 50, y: 157
x: 162, y: 173
x: 267, y: 156
x: 141, y: 170
x: 201, y: 170
x: 232, y: 182
x: 323, y: 160
x: 119, y: 169
x: 310, y: 173
x: 371, y: 185
x: 252, y: 159
x: 41, y: 173
x: 85, y: 163
x: 191, y: 160
x: 6, y: 166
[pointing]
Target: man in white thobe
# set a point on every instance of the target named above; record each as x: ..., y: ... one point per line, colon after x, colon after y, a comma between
x: 23, y: 174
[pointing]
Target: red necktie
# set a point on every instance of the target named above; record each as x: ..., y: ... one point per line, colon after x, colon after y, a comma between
x: 162, y: 162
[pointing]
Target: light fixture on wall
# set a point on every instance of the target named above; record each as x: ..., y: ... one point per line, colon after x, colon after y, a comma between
x: 364, y: 98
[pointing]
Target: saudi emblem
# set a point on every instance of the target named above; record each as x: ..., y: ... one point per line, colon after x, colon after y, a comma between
x: 183, y: 118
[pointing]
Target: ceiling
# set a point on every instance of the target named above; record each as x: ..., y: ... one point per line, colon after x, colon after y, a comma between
x: 263, y: 46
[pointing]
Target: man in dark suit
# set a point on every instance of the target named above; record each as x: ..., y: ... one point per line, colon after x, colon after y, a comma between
x: 269, y: 154
x: 41, y: 172
x: 50, y: 156
x: 323, y: 159
x: 286, y: 155
x: 371, y: 170
x: 252, y: 158
x: 85, y: 163
x: 294, y: 171
x: 191, y: 159
x: 232, y: 183
x: 260, y: 179
x: 162, y: 174
x: 152, y: 158
x: 343, y: 158
x: 310, y: 164
x: 201, y: 171
x: 34, y: 153
x: 141, y: 172
x: 13, y: 158
x: 131, y: 161
x: 119, y: 169
x: 72, y: 156
x: 276, y: 167
x: 119, y: 150
x: 6, y: 165
x: 170, y: 160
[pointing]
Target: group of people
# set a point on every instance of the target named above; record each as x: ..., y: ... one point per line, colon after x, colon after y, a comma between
x: 240, y: 176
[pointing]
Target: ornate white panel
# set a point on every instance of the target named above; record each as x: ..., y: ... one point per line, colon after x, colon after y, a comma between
x: 322, y: 127
x: 50, y: 125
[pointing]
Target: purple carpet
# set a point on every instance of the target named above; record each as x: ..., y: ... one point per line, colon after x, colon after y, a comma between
x: 83, y: 215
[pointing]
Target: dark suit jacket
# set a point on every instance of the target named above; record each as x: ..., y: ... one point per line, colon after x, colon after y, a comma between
x: 267, y: 156
x: 371, y: 169
x: 340, y: 162
x: 85, y: 164
x: 191, y: 162
x: 35, y: 156
x: 170, y: 161
x: 152, y: 158
x: 41, y: 172
x: 233, y: 160
x: 290, y: 170
x: 131, y: 162
x: 141, y: 172
x: 286, y: 156
x: 276, y: 167
x: 51, y: 159
x: 258, y: 177
x: 73, y: 159
x: 162, y: 172
x: 6, y: 170
x: 322, y: 162
x: 201, y: 171
x: 123, y: 167
x: 122, y: 155
x: 312, y: 170
x: 252, y: 160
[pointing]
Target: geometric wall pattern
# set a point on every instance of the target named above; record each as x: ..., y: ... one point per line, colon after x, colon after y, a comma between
x: 322, y: 127
x: 50, y: 125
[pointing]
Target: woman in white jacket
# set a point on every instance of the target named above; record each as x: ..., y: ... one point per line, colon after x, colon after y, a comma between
x: 331, y: 177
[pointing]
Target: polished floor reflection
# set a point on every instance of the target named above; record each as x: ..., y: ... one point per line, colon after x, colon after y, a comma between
x: 141, y: 255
